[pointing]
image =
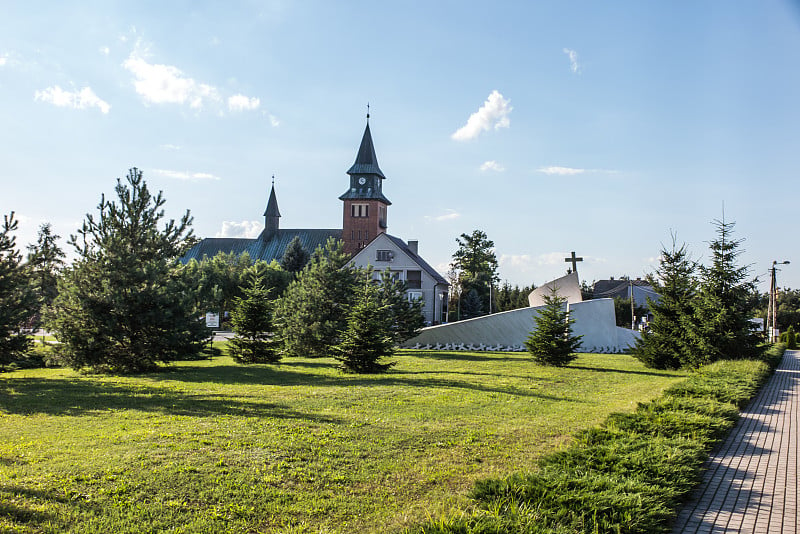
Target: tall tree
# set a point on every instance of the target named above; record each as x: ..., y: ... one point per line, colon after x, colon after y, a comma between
x: 552, y: 341
x: 16, y: 297
x: 45, y: 261
x: 369, y: 336
x: 313, y: 311
x: 721, y: 327
x: 475, y: 264
x: 126, y: 303
x: 667, y: 344
x: 295, y: 256
x: 251, y: 319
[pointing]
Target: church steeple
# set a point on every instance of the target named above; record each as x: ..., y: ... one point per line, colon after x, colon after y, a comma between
x: 271, y: 215
x: 364, y: 204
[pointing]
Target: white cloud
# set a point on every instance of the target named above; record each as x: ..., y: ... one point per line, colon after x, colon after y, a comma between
x: 105, y: 50
x: 243, y: 103
x: 182, y: 175
x: 273, y: 120
x: 249, y: 229
x: 169, y: 147
x: 492, y: 166
x: 574, y: 66
x: 562, y: 171
x: 85, y: 98
x: 493, y: 114
x: 449, y: 216
x: 3, y: 60
x: 165, y: 84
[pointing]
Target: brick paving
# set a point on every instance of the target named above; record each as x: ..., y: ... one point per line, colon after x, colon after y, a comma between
x: 751, y: 481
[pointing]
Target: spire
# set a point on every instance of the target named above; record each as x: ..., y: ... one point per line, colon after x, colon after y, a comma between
x: 271, y: 214
x: 366, y: 160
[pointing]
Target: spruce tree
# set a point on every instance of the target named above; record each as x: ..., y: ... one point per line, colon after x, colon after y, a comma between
x: 45, y: 261
x: 721, y: 327
x: 126, y: 303
x: 295, y: 256
x: 312, y: 313
x: 666, y: 345
x: 406, y: 317
x: 251, y: 320
x: 552, y: 341
x: 368, y: 337
x: 472, y: 306
x: 17, y: 301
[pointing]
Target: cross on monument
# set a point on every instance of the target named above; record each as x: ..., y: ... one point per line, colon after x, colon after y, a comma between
x: 574, y: 261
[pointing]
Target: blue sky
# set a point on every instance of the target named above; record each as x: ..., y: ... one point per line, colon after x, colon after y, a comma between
x: 598, y: 127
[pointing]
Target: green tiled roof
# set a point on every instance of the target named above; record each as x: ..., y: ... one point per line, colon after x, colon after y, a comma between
x: 258, y: 249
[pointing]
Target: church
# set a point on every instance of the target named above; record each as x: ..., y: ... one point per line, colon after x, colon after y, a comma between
x: 363, y: 232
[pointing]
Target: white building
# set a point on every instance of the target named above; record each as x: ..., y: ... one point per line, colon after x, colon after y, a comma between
x: 402, y: 259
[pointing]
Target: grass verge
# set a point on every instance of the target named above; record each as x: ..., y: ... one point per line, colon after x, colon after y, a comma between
x: 627, y: 476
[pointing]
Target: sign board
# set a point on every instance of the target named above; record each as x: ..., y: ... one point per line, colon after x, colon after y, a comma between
x: 212, y: 320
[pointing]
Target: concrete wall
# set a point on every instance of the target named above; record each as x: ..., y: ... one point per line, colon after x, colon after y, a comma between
x: 567, y: 287
x: 594, y: 319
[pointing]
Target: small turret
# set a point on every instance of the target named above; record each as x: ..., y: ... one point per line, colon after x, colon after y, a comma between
x: 271, y: 215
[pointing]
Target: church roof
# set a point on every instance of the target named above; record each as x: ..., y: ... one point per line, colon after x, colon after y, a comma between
x: 366, y: 160
x: 258, y: 249
x: 272, y: 205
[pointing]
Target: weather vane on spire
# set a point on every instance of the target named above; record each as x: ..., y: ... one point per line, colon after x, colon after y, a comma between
x: 367, y: 111
x: 273, y: 179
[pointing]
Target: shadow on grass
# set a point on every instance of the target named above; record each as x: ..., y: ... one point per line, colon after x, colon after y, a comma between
x: 13, y: 500
x: 283, y: 375
x: 465, y: 356
x: 653, y: 372
x: 67, y: 396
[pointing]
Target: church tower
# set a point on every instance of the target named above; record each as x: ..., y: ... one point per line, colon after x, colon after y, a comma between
x: 271, y: 215
x: 364, y: 204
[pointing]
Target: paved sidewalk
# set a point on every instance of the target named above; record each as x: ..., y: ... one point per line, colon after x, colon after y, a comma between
x: 751, y: 482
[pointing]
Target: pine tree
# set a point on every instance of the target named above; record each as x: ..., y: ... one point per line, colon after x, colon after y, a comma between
x: 17, y: 301
x: 126, y: 304
x: 723, y: 307
x: 295, y: 256
x: 312, y: 314
x: 667, y: 345
x: 472, y: 306
x: 368, y: 337
x: 552, y: 342
x: 407, y: 317
x: 475, y: 267
x: 251, y: 320
x: 45, y: 261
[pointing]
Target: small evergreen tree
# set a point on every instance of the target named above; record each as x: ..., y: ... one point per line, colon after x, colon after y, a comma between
x: 251, y: 320
x: 721, y: 327
x: 313, y: 312
x: 16, y: 298
x: 552, y: 342
x: 295, y: 256
x: 126, y: 304
x: 666, y: 345
x: 45, y: 261
x: 407, y: 318
x: 472, y: 306
x: 791, y: 339
x: 368, y: 337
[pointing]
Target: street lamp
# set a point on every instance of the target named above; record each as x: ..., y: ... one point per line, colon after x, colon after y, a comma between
x: 773, y: 302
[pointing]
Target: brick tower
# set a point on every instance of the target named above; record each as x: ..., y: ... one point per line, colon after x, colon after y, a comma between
x: 365, y: 206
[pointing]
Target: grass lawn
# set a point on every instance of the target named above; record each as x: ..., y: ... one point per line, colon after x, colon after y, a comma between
x: 213, y: 446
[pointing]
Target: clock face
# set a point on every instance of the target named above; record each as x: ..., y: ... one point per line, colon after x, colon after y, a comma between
x: 362, y: 180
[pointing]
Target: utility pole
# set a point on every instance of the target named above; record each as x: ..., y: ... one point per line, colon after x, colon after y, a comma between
x: 773, y: 302
x: 633, y: 309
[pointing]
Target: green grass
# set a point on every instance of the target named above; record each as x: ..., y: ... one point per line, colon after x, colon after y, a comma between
x: 628, y: 476
x: 211, y: 446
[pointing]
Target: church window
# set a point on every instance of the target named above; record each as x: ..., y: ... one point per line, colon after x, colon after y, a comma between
x: 359, y: 234
x: 359, y: 210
